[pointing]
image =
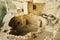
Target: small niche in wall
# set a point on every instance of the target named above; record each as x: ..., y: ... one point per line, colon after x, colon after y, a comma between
x: 34, y: 7
x: 22, y: 10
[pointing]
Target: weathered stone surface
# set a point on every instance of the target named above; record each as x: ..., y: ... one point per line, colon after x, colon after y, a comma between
x: 24, y: 25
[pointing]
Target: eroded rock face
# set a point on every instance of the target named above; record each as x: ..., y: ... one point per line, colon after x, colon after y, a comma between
x: 22, y: 25
x: 28, y: 28
x: 33, y: 26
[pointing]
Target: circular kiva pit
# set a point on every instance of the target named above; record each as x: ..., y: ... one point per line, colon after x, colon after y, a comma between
x: 21, y: 25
